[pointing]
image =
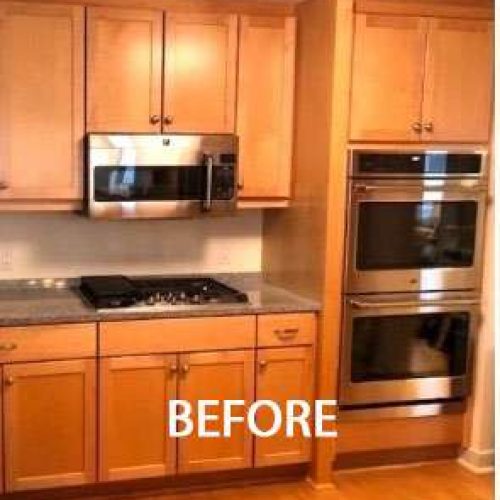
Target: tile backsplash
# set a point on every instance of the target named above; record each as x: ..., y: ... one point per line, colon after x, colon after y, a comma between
x: 65, y: 245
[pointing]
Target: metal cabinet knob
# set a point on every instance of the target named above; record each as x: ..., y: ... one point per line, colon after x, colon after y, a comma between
x: 429, y: 127
x: 168, y: 120
x: 154, y: 119
x: 417, y: 127
x: 185, y: 368
x: 174, y: 368
x: 262, y: 364
x: 9, y: 380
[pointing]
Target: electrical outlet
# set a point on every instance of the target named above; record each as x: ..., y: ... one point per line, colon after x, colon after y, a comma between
x: 5, y: 259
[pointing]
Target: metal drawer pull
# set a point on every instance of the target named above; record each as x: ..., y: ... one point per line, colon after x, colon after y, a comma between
x: 10, y: 346
x: 9, y: 380
x: 286, y: 333
x: 357, y: 304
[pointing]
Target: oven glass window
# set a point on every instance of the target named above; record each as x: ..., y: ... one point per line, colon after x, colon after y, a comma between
x: 413, y: 346
x: 416, y: 235
x: 148, y: 183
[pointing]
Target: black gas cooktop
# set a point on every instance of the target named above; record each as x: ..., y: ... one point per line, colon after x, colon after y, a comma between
x: 105, y: 292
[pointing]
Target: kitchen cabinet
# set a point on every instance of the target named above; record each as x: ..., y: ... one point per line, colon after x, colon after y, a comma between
x: 133, y: 399
x: 421, y: 79
x: 458, y: 81
x: 41, y: 102
x: 49, y: 424
x: 131, y: 58
x: 124, y: 66
x: 282, y: 374
x: 200, y: 73
x: 222, y: 375
x: 265, y: 106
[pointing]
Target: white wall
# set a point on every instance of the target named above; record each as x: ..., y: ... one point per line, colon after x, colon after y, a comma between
x: 479, y: 454
x: 62, y: 245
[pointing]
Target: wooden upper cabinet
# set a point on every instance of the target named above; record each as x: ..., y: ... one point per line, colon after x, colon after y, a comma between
x: 387, y: 74
x: 282, y: 374
x: 134, y: 393
x: 265, y: 105
x: 124, y: 66
x: 217, y: 376
x: 41, y: 101
x: 49, y: 424
x: 200, y: 73
x: 458, y: 81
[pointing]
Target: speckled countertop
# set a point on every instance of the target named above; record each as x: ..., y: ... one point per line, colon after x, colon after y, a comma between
x: 36, y: 302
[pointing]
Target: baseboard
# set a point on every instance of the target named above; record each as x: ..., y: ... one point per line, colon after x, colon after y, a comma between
x: 398, y: 456
x: 478, y: 461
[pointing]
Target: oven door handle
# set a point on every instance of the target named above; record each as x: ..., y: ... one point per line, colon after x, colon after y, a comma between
x: 209, y: 165
x: 368, y: 188
x: 359, y: 304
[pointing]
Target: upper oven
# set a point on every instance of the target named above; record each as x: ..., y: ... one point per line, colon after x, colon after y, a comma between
x: 160, y: 176
x: 415, y: 221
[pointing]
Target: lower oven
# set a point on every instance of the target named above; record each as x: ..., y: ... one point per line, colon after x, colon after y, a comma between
x: 407, y: 348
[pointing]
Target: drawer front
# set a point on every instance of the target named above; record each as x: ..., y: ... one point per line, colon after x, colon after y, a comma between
x: 48, y: 342
x: 278, y: 330
x: 176, y: 335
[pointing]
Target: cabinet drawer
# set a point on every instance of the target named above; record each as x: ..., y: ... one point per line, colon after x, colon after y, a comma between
x: 286, y: 329
x: 37, y: 343
x: 176, y: 335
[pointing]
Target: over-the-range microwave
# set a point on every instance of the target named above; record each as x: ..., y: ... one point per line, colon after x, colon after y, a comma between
x: 133, y: 176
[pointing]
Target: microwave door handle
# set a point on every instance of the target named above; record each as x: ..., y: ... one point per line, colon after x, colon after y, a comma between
x: 358, y: 304
x: 209, y: 165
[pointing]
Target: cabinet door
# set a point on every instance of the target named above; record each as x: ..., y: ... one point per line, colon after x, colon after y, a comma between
x: 49, y: 424
x: 220, y: 376
x: 387, y: 75
x: 124, y: 64
x: 200, y: 73
x: 282, y: 374
x: 265, y: 106
x: 458, y: 81
x: 133, y: 441
x: 41, y: 101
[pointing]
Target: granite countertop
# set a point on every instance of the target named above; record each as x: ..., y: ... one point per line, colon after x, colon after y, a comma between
x: 36, y: 302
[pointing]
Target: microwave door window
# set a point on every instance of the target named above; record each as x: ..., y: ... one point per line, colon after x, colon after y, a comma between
x: 415, y: 235
x: 148, y: 183
x: 413, y: 346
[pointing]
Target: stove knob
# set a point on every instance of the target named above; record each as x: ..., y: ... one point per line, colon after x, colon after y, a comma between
x: 182, y: 296
x: 157, y: 297
x: 196, y: 298
x: 150, y: 300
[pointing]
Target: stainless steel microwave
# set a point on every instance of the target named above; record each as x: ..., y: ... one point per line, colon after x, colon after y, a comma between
x: 160, y: 176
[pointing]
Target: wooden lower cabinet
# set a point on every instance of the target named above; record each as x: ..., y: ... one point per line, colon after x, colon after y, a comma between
x: 282, y: 374
x: 219, y: 376
x: 49, y: 424
x: 133, y: 399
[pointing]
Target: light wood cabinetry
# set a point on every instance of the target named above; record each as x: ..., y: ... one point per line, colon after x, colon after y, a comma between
x: 124, y: 66
x: 421, y: 79
x: 458, y: 82
x: 216, y: 376
x: 49, y: 424
x: 388, y: 69
x: 282, y: 374
x: 265, y: 106
x: 133, y: 404
x: 200, y: 73
x: 41, y: 101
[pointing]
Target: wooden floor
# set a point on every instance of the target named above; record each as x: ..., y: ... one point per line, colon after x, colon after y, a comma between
x: 436, y: 481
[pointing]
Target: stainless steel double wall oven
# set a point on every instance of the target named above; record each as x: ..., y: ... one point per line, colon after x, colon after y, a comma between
x: 412, y: 275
